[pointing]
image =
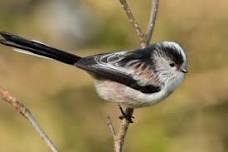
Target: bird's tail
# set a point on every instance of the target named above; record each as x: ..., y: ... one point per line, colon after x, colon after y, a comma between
x: 36, y: 48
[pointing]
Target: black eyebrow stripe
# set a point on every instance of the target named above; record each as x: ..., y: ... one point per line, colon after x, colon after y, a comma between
x: 175, y: 55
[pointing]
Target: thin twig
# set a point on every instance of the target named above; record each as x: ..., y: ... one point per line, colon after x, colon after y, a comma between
x: 111, y: 127
x: 151, y: 25
x: 25, y: 112
x: 133, y: 22
x: 120, y: 137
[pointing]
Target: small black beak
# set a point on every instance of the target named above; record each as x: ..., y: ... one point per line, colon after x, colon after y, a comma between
x: 184, y: 70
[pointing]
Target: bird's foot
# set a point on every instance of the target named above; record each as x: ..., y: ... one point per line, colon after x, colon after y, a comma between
x: 126, y: 115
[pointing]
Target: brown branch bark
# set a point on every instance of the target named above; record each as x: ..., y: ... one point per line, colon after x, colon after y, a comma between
x: 25, y: 112
x: 111, y: 128
x: 119, y: 137
x: 151, y: 24
x: 134, y: 23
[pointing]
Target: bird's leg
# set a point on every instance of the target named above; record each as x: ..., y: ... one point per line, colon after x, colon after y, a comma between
x: 125, y: 115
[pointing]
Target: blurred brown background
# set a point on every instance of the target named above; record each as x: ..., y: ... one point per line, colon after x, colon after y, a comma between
x: 193, y: 119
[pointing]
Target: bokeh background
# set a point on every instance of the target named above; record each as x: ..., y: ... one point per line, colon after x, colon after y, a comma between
x: 63, y: 99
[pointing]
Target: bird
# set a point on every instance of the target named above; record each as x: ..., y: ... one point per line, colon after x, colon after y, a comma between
x: 131, y: 78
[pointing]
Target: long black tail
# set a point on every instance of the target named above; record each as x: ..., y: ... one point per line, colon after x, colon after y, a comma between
x: 36, y: 48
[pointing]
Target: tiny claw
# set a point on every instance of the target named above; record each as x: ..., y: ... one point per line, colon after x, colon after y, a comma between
x: 125, y: 115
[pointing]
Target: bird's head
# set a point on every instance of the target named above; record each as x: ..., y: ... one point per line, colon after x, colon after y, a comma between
x: 170, y: 62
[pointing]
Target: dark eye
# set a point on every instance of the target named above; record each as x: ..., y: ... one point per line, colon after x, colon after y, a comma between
x: 172, y: 64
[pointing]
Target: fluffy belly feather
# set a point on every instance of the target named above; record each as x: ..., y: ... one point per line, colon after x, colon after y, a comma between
x: 126, y: 96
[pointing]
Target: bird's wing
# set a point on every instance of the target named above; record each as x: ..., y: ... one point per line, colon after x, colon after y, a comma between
x: 133, y: 69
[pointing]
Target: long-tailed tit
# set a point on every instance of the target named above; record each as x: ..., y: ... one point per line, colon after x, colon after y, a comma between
x: 136, y: 78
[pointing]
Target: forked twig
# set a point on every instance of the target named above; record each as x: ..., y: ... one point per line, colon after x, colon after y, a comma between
x: 133, y: 22
x: 25, y: 112
x: 144, y: 39
x: 119, y: 137
x: 151, y: 24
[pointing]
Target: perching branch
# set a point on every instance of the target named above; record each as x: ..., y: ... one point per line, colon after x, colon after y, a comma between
x: 133, y: 22
x: 119, y: 137
x: 151, y: 25
x: 111, y: 128
x: 25, y: 112
x: 144, y: 39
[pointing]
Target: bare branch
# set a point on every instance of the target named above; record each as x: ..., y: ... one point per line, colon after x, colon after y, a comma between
x: 119, y: 138
x: 144, y: 40
x: 111, y: 128
x: 25, y: 112
x: 151, y: 25
x: 133, y: 22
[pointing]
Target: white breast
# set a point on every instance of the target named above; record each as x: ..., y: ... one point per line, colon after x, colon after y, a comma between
x: 126, y: 96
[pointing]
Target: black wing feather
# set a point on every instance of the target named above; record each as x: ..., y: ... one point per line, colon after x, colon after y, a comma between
x: 99, y: 66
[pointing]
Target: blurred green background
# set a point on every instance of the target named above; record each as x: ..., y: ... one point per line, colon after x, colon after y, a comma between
x: 63, y: 99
